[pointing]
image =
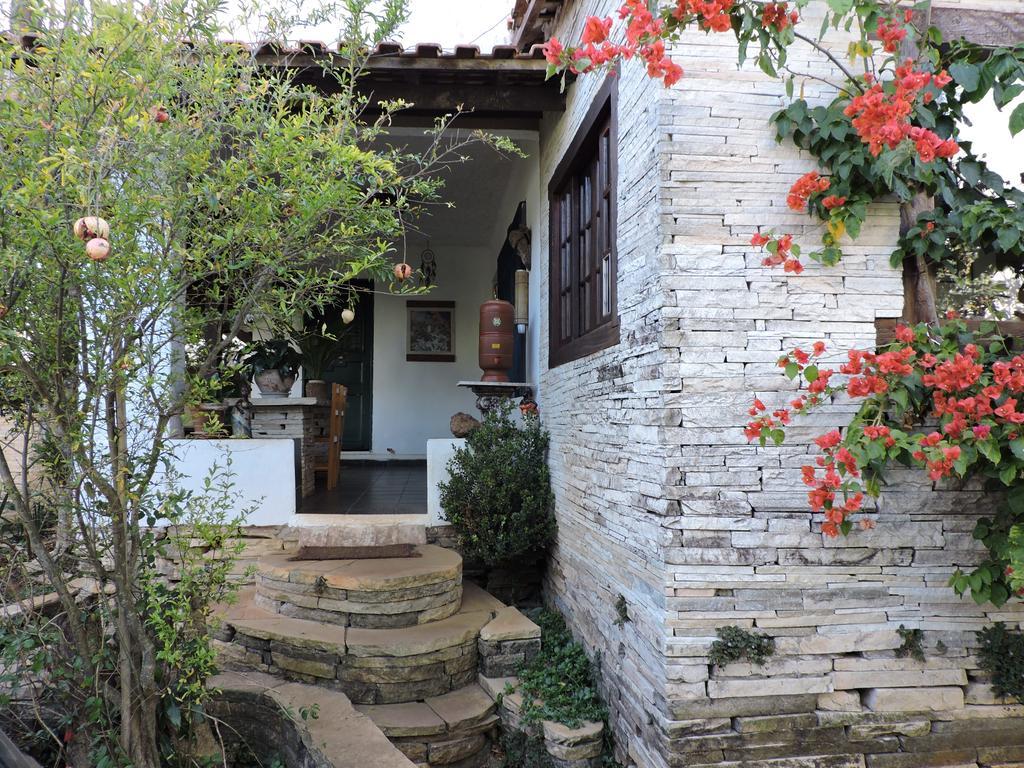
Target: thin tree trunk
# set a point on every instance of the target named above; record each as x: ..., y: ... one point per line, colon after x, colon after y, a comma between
x: 920, y: 305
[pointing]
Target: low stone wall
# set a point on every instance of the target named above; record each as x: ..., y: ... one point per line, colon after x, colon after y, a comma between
x: 302, y: 726
x: 257, y: 541
x: 508, y: 642
x: 581, y: 747
x: 364, y: 676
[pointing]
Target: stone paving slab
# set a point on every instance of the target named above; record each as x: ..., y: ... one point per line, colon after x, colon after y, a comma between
x: 404, y: 720
x: 433, y: 564
x: 464, y: 708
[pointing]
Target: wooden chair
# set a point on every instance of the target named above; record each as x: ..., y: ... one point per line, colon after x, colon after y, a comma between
x: 330, y: 462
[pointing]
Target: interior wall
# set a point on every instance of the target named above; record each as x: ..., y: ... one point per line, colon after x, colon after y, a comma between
x: 414, y: 401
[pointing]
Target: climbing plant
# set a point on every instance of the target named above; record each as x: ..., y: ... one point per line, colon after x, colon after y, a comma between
x: 892, y: 130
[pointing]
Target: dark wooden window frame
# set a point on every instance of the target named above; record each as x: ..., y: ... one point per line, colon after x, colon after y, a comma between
x: 582, y: 153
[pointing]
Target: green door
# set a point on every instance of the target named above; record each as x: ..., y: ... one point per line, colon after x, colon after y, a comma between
x: 354, y: 367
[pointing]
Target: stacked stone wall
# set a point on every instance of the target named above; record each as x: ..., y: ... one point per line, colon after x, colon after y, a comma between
x: 604, y: 412
x: 661, y: 499
x: 744, y: 550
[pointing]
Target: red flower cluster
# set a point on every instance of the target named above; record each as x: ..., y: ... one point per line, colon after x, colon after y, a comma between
x: 763, y: 423
x: 782, y: 252
x: 778, y: 16
x: 892, y: 33
x: 807, y: 185
x: 937, y: 455
x: 833, y: 201
x: 644, y: 37
x: 836, y: 464
x: 596, y: 30
x: 713, y: 14
x: 881, y: 115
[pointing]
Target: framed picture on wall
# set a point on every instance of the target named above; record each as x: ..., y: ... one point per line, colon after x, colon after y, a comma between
x: 430, y: 335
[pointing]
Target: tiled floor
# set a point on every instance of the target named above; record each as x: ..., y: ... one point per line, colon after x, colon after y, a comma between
x: 380, y: 488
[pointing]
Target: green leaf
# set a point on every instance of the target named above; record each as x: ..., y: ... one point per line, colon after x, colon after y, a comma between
x: 1007, y: 474
x: 764, y: 61
x: 971, y: 171
x: 1017, y: 447
x: 1008, y: 237
x: 990, y: 450
x: 967, y: 76
x: 840, y: 7
x: 1017, y: 120
x: 792, y: 369
x: 811, y: 373
x: 174, y: 714
x: 998, y: 595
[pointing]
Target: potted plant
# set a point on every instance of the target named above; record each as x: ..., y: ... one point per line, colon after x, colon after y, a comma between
x: 274, y: 364
x: 210, y: 396
x: 319, y: 352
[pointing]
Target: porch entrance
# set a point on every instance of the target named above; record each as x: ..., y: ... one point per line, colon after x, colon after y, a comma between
x: 373, y: 488
x: 354, y: 366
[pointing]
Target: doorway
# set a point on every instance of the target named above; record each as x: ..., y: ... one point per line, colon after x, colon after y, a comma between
x: 354, y: 366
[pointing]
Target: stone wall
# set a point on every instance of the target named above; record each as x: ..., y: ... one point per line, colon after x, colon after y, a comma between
x: 661, y: 499
x: 604, y: 413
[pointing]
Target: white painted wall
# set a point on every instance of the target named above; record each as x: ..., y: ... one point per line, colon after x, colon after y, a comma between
x: 262, y: 471
x: 414, y: 402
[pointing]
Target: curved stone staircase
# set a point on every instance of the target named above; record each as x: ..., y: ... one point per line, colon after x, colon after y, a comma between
x: 398, y: 636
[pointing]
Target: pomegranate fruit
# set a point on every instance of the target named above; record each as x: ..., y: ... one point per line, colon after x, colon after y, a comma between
x: 90, y: 227
x: 97, y: 249
x: 347, y: 316
x: 403, y: 271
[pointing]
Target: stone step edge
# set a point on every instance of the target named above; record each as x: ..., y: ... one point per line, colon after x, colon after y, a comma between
x: 478, y: 608
x: 432, y: 564
x: 440, y: 730
x: 582, y: 746
x: 342, y: 734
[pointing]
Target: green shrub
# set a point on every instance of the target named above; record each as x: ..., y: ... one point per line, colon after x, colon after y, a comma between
x: 1002, y: 655
x: 735, y: 643
x: 559, y: 683
x: 499, y: 497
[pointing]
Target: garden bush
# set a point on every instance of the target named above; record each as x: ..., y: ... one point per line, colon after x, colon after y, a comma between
x: 499, y: 497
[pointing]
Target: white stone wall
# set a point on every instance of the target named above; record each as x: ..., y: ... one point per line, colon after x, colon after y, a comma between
x: 604, y: 412
x: 661, y: 499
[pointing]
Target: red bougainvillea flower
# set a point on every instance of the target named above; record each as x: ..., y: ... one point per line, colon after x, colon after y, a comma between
x: 833, y: 201
x: 596, y: 30
x: 881, y: 115
x: 713, y: 15
x: 819, y: 348
x: 553, y: 50
x: 777, y: 16
x: 807, y: 185
x: 760, y: 240
x: 891, y: 33
x: 904, y: 334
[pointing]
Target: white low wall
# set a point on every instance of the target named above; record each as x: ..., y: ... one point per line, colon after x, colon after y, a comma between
x: 262, y: 471
x: 439, y: 453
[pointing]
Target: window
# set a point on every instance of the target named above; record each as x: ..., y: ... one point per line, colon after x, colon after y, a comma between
x: 583, y: 312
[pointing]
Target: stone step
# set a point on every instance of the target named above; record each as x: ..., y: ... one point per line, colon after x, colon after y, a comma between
x: 371, y: 666
x: 440, y: 730
x: 374, y: 593
x: 268, y: 715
